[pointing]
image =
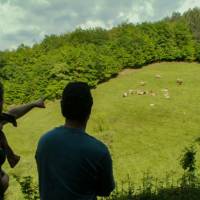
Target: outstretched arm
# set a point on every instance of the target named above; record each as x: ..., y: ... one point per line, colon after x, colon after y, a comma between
x: 18, y: 112
x: 22, y: 110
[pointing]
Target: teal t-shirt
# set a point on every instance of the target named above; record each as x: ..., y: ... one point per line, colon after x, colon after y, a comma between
x: 73, y: 165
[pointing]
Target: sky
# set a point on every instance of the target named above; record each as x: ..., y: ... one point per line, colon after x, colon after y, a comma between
x: 28, y: 21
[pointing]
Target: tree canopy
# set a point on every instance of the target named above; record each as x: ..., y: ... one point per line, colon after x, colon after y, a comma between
x: 95, y: 55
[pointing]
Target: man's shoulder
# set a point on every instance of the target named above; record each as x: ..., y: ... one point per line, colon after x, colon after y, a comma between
x: 49, y: 135
x: 98, y: 145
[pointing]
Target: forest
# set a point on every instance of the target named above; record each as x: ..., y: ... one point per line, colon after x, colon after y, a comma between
x: 96, y: 55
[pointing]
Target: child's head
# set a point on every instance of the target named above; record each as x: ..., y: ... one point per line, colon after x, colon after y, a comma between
x: 1, y: 97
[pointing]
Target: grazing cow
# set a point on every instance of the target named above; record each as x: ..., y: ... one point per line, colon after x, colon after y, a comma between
x: 158, y: 76
x: 142, y: 83
x: 167, y: 96
x: 151, y: 93
x: 141, y: 92
x: 130, y: 91
x: 165, y: 90
x: 179, y: 81
x: 125, y: 94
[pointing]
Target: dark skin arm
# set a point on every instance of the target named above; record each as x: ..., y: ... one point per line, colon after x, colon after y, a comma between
x: 22, y: 110
x: 4, y: 181
x: 18, y: 112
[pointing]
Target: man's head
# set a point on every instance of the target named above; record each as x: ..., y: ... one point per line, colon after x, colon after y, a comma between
x: 1, y: 97
x: 76, y: 102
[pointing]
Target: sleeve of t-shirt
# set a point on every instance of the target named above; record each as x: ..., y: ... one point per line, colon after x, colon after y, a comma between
x: 106, y: 182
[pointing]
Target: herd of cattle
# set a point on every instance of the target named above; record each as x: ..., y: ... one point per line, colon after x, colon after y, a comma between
x: 165, y: 91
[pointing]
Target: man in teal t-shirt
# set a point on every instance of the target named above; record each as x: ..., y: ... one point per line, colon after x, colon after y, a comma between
x: 73, y: 165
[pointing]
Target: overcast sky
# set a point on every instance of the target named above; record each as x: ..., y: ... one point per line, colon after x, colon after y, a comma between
x: 28, y: 21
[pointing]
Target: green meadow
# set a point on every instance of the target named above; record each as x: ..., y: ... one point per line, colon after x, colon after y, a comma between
x: 145, y: 133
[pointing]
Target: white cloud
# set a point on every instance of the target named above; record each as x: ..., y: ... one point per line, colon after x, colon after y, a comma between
x: 92, y: 24
x: 137, y: 12
x: 9, y: 18
x: 27, y: 21
x: 189, y: 4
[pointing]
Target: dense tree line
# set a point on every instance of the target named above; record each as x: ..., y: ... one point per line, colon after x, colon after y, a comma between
x: 95, y: 55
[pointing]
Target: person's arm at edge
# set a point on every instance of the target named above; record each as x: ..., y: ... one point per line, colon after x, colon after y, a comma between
x: 106, y: 183
x: 4, y: 181
x: 23, y: 109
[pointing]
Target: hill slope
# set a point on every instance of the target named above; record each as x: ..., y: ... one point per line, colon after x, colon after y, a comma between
x: 144, y: 132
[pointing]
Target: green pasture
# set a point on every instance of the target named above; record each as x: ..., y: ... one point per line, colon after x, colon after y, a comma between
x: 141, y: 137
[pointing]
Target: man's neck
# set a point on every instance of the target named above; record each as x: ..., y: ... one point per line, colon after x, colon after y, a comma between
x: 75, y: 124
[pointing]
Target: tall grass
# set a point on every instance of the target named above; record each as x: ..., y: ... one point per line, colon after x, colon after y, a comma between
x: 140, y: 137
x: 187, y: 188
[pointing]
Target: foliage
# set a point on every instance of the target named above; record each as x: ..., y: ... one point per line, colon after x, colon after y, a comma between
x: 96, y: 55
x: 150, y: 190
x: 198, y: 51
x: 28, y: 188
x: 189, y: 189
x: 192, y: 17
x: 188, y: 160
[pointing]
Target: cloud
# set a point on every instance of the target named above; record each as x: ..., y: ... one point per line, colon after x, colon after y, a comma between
x: 189, y: 4
x: 30, y: 20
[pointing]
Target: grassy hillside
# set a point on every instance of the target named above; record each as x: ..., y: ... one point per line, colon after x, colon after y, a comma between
x: 141, y: 136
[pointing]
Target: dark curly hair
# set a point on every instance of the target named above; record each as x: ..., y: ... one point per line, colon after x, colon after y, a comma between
x: 77, y: 101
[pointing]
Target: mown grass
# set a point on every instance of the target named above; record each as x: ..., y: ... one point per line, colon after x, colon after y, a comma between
x: 141, y: 137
